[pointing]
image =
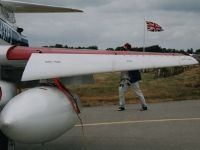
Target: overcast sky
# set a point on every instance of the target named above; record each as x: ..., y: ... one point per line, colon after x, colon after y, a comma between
x: 111, y: 23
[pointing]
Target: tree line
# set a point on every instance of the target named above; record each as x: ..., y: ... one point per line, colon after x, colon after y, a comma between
x: 94, y: 47
x: 154, y: 48
x: 157, y: 48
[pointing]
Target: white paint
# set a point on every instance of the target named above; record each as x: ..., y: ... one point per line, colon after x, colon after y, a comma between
x: 38, y: 115
x: 3, y: 57
x: 25, y: 7
x: 2, y: 42
x: 9, y: 90
x: 137, y: 121
x: 3, y: 53
x: 44, y: 66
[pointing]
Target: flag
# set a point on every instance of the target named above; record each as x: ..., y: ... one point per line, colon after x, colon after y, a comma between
x: 153, y: 27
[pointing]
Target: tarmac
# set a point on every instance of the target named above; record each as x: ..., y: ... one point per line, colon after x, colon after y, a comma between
x: 164, y: 126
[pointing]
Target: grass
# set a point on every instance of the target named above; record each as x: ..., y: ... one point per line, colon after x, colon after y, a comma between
x: 184, y: 86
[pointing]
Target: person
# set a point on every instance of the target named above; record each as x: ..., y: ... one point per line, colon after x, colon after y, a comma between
x: 130, y: 78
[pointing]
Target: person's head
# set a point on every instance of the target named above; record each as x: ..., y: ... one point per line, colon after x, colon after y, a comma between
x: 127, y: 47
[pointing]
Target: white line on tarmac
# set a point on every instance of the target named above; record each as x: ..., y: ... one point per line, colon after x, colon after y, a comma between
x: 139, y: 121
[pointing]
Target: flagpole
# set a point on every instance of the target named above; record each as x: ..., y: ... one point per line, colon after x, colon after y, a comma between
x: 144, y: 36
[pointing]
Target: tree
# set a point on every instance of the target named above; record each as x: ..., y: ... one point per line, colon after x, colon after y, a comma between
x: 110, y: 49
x: 58, y: 46
x: 197, y: 51
x: 66, y: 46
x: 190, y: 51
x: 154, y: 48
x: 119, y: 48
x: 94, y: 47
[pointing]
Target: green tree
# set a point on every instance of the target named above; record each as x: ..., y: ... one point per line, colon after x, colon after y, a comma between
x: 110, y: 49
x: 94, y: 47
x: 119, y: 48
x: 58, y: 46
x: 197, y: 51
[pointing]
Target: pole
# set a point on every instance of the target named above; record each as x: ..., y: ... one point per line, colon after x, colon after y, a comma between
x: 144, y: 36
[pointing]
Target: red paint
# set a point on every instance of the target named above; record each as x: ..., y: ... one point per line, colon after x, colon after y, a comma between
x: 0, y: 94
x: 67, y: 93
x: 24, y: 53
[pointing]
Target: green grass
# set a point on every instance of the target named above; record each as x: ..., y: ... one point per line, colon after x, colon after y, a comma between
x: 184, y: 86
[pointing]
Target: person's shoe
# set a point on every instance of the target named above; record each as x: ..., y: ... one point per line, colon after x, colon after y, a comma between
x: 121, y: 108
x: 143, y: 109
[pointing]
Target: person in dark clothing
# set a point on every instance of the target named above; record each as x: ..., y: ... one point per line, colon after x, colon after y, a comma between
x: 130, y: 78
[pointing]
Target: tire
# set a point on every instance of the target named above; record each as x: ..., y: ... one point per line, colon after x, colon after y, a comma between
x: 3, y: 142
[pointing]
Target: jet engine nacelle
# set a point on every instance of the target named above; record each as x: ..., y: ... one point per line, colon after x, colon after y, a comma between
x: 7, y: 91
x: 37, y: 115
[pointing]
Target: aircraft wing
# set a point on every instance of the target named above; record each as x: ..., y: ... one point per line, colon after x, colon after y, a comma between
x: 24, y: 7
x: 45, y: 63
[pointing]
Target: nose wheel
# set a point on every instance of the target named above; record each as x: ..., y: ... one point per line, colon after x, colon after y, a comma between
x: 11, y: 145
x: 3, y: 141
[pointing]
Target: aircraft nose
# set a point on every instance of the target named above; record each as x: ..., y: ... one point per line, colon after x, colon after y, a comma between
x: 5, y: 123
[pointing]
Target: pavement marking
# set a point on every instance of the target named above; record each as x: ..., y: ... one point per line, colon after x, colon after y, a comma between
x: 138, y: 121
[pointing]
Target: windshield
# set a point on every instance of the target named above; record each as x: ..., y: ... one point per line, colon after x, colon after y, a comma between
x: 7, y: 15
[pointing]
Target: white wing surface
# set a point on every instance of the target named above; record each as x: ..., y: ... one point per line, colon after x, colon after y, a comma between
x: 44, y: 66
x: 24, y: 7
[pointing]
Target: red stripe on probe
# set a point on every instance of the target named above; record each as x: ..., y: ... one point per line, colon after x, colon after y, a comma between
x: 24, y: 53
x: 66, y: 92
x: 0, y: 94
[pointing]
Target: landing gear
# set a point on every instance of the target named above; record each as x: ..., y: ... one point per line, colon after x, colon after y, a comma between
x: 11, y: 145
x: 3, y: 141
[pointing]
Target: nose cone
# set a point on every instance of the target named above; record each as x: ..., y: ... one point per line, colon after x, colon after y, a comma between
x: 36, y: 116
x: 7, y: 122
x: 7, y: 92
x: 5, y: 119
x: 4, y: 124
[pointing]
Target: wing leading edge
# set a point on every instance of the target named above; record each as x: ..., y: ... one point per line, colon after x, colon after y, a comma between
x: 25, y: 7
x: 45, y: 66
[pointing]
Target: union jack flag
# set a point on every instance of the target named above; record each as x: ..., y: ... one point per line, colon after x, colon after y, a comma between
x: 153, y: 27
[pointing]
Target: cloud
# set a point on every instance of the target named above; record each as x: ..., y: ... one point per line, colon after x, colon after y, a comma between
x: 111, y: 23
x: 178, y: 5
x: 69, y: 3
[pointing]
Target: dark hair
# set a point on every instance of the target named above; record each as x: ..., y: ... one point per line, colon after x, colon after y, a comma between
x: 128, y: 46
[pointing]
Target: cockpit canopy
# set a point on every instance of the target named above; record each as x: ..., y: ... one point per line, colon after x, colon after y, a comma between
x: 7, y: 15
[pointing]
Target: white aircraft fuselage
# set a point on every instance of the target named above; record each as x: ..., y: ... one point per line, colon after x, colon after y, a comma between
x: 9, y: 32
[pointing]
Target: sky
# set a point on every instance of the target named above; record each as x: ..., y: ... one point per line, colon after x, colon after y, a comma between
x: 111, y: 23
